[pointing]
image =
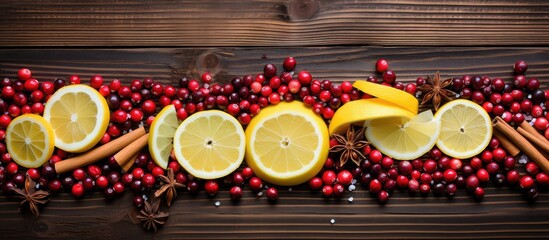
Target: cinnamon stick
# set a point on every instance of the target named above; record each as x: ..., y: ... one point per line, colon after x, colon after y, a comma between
x: 124, y: 155
x: 522, y: 143
x: 98, y: 153
x: 526, y: 126
x: 533, y: 139
x: 129, y: 163
x: 506, y: 143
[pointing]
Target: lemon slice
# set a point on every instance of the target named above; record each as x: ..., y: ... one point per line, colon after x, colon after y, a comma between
x: 30, y: 140
x: 161, y: 135
x: 79, y: 116
x: 210, y: 144
x: 465, y: 130
x: 287, y: 144
x: 390, y: 94
x: 365, y: 109
x: 404, y: 139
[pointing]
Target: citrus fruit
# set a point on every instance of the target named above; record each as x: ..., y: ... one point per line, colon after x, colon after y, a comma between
x: 390, y: 94
x: 401, y: 138
x: 210, y: 144
x: 79, y: 116
x: 30, y: 140
x: 465, y: 129
x: 365, y: 109
x: 161, y: 135
x: 287, y: 144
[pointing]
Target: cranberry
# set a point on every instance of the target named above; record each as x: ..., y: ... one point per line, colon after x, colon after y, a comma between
x: 375, y: 186
x: 513, y: 177
x: 532, y: 168
x: 77, y: 190
x: 424, y: 189
x: 315, y: 183
x: 413, y: 186
x: 479, y: 193
x: 269, y: 70
x: 255, y: 184
x: 327, y: 191
x: 138, y: 201
x: 247, y: 172
x: 24, y: 74
x: 382, y: 65
x: 136, y: 185
x: 211, y: 187
x: 375, y: 156
x: 430, y: 166
x: 526, y: 182
x: 289, y: 64
x: 450, y: 175
x: 345, y: 177
x: 54, y: 185
x: 520, y: 67
x: 425, y: 178
x: 236, y: 193
x: 329, y: 177
x: 389, y: 76
x: 405, y: 167
x: 304, y: 77
x: 472, y: 182
x: 402, y: 181
x: 272, y: 194
x: 238, y: 179
x: 148, y: 107
x: 542, y: 179
x: 541, y: 123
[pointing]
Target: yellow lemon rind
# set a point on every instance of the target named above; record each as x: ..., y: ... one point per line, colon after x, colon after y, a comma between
x: 49, y: 140
x: 390, y: 94
x: 361, y: 110
x: 211, y: 174
x: 296, y: 177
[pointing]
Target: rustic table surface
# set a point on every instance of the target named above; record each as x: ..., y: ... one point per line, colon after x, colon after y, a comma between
x: 337, y: 40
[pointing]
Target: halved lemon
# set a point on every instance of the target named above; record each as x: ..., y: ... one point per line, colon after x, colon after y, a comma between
x: 210, y: 144
x: 287, y: 144
x: 365, y: 109
x: 466, y: 129
x: 390, y: 94
x: 79, y: 116
x: 30, y: 140
x: 161, y: 135
x: 404, y: 139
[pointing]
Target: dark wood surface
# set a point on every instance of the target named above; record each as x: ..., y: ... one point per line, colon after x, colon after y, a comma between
x: 340, y: 40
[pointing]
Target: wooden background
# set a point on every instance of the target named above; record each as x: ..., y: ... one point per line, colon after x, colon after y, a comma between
x: 337, y: 40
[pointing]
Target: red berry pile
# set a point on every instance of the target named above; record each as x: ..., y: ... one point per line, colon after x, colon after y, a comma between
x: 139, y: 101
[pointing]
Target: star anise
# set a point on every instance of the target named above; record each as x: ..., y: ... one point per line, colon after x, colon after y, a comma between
x: 150, y: 216
x: 434, y: 90
x: 350, y: 147
x: 31, y: 197
x: 169, y: 187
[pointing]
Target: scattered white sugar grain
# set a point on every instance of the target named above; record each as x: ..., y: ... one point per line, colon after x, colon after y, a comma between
x: 217, y: 204
x: 259, y: 194
x: 290, y: 189
x: 542, y: 105
x: 352, y: 188
x: 266, y: 187
x: 141, y: 124
x: 523, y: 159
x: 332, y: 221
x: 38, y: 186
x: 145, y: 197
x: 503, y: 115
x: 529, y: 96
x: 350, y: 199
x: 418, y: 93
x: 530, y: 119
x: 457, y: 95
x: 354, y: 181
x: 124, y: 132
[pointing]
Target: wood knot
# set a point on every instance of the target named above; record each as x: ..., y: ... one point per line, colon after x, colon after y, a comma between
x: 209, y: 61
x: 302, y: 9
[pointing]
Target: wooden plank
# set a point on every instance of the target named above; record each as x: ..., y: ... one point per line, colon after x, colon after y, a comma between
x: 273, y: 23
x: 299, y: 213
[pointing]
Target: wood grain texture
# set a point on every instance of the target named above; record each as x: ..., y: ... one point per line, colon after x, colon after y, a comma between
x: 299, y: 214
x: 273, y: 23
